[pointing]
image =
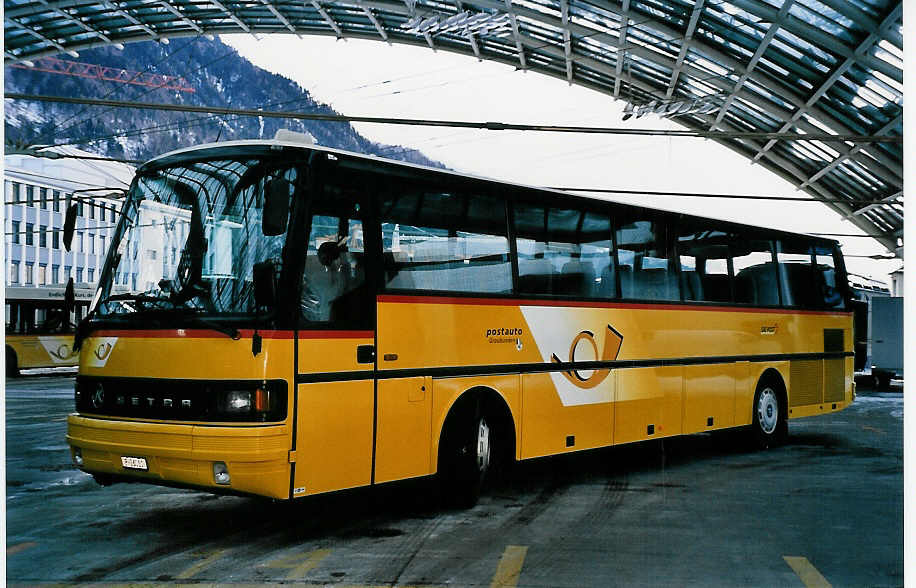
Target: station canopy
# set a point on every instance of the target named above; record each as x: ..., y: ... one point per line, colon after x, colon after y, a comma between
x: 801, y: 67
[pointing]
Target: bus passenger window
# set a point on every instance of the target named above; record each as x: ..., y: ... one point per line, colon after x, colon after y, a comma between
x: 644, y: 262
x: 445, y: 241
x: 795, y: 273
x: 827, y: 292
x: 703, y: 254
x: 755, y: 272
x: 564, y: 252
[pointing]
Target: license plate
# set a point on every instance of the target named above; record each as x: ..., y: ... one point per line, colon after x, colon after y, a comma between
x: 134, y: 463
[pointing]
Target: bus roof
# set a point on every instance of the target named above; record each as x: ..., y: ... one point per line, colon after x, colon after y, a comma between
x: 233, y: 148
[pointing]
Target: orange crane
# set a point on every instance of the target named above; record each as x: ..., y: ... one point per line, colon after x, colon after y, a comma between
x: 108, y: 74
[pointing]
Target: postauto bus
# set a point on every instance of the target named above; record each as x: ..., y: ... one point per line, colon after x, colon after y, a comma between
x: 285, y: 320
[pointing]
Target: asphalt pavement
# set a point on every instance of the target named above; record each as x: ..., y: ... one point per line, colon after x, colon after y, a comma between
x: 826, y: 508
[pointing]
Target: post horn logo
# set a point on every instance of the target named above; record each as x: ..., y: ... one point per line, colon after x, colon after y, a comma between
x: 62, y: 352
x: 102, y: 351
x: 612, y: 343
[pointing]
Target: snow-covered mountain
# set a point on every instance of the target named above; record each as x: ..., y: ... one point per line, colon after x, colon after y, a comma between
x: 219, y: 76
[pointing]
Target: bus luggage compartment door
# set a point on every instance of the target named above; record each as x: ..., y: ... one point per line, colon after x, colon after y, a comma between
x: 334, y: 415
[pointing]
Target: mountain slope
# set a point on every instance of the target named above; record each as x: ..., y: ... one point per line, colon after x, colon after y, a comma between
x: 219, y: 76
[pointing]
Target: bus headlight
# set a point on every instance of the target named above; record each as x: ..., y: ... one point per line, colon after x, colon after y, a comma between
x: 220, y: 473
x: 255, y: 403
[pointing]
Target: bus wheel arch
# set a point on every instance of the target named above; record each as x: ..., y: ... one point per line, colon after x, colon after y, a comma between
x: 770, y: 418
x: 12, y: 362
x: 476, y: 440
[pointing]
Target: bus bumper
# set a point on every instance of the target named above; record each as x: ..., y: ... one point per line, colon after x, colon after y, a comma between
x: 256, y: 457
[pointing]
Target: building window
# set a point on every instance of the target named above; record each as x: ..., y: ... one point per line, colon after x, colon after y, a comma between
x: 42, y: 274
x: 79, y: 236
x: 30, y: 195
x: 113, y: 212
x: 56, y: 195
x: 28, y: 273
x: 42, y: 235
x: 68, y: 269
x: 91, y: 210
x: 91, y: 274
x: 80, y: 211
x: 29, y: 237
x: 55, y: 240
x: 101, y: 244
x: 79, y: 274
x: 16, y: 192
x: 43, y: 196
x: 14, y: 272
x: 151, y: 253
x: 55, y: 274
x: 16, y: 239
x: 92, y: 243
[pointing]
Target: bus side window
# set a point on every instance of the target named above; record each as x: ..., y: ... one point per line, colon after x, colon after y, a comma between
x: 703, y: 253
x: 645, y: 265
x: 827, y: 292
x: 564, y: 252
x: 438, y: 240
x: 795, y: 273
x: 756, y: 281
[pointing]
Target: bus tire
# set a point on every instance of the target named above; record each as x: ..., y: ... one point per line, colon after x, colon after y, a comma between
x: 882, y: 381
x: 12, y: 363
x: 770, y: 425
x: 466, y: 454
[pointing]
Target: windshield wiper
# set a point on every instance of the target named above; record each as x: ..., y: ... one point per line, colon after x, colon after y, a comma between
x: 228, y: 330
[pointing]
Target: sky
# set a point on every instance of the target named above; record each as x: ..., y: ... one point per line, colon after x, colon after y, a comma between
x: 370, y: 78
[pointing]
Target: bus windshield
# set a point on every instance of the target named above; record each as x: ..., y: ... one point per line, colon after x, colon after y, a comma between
x: 191, y: 235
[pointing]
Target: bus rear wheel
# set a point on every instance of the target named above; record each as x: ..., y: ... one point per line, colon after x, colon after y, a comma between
x: 770, y: 426
x: 466, y: 456
x: 12, y: 363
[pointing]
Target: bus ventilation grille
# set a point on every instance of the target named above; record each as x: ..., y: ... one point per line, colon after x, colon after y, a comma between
x: 806, y: 381
x: 834, y: 380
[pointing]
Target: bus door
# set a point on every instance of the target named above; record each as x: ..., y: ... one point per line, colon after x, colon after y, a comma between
x: 335, y: 383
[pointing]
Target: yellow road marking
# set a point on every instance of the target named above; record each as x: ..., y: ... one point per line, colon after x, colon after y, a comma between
x: 510, y: 566
x: 806, y: 572
x: 298, y: 566
x: 12, y: 549
x: 203, y: 564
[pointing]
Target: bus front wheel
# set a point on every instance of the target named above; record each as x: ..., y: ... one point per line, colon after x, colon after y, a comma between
x: 12, y: 363
x: 770, y: 425
x: 465, y: 458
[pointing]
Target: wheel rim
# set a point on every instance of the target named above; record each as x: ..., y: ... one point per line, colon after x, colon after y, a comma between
x: 768, y: 411
x: 483, y: 445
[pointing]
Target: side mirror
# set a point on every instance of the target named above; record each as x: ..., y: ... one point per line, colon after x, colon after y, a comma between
x: 276, y: 207
x: 265, y: 284
x: 69, y: 298
x: 70, y: 224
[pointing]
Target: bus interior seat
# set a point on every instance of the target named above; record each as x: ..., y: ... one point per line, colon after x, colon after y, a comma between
x: 717, y: 288
x: 757, y: 285
x: 606, y: 288
x: 655, y: 284
x: 691, y: 285
x: 626, y: 281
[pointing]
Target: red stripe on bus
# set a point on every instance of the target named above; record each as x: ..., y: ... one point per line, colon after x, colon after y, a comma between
x: 396, y: 299
x: 243, y: 333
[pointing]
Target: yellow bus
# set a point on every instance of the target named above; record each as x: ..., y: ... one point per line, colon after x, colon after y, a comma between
x: 39, y: 327
x: 310, y: 320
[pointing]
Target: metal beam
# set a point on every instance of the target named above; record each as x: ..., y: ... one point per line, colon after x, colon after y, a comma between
x: 515, y: 33
x: 327, y: 18
x: 232, y: 16
x: 865, y: 45
x: 761, y: 49
x: 375, y: 22
x: 130, y: 18
x: 279, y: 16
x: 685, y: 45
x: 44, y: 38
x: 624, y: 16
x: 567, y: 41
x: 884, y: 130
x: 78, y: 22
x: 177, y: 13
